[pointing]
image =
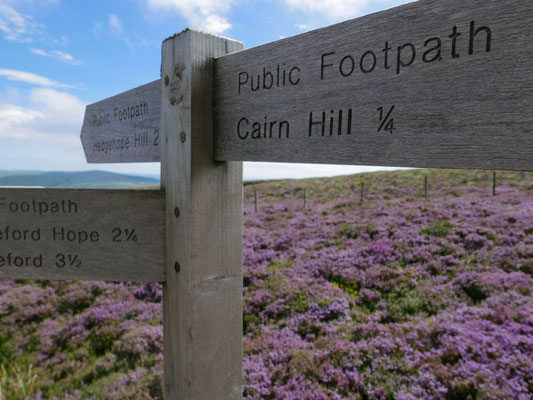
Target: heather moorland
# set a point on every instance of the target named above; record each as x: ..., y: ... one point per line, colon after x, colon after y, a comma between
x: 392, y: 297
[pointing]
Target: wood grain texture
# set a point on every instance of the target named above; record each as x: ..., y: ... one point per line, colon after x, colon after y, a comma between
x: 457, y: 103
x: 63, y: 234
x: 124, y: 128
x: 202, y: 306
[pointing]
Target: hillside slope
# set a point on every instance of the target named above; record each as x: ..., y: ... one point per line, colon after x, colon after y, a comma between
x: 85, y: 179
x: 395, y: 297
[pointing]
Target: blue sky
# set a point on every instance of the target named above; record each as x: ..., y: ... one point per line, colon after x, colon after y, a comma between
x: 57, y: 56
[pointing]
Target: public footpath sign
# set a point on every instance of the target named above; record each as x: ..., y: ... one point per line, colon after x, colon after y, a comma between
x: 82, y: 234
x: 124, y: 128
x: 430, y: 84
x: 441, y: 84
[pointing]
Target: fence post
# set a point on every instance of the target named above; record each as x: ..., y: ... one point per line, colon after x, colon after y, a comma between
x: 305, y: 197
x: 202, y: 297
x: 255, y: 200
x: 494, y: 183
x: 362, y: 192
x: 426, y: 187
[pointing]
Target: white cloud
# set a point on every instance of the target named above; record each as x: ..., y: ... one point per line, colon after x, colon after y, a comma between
x: 67, y: 108
x: 303, y: 27
x: 207, y: 15
x: 31, y: 78
x: 331, y: 9
x: 115, y: 24
x: 48, y: 116
x: 216, y: 24
x: 39, y: 52
x: 15, y: 26
x: 58, y: 55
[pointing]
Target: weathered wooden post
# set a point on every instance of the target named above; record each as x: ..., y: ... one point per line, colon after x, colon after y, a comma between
x: 494, y: 183
x: 425, y: 187
x: 202, y: 306
x: 255, y: 200
x: 305, y: 197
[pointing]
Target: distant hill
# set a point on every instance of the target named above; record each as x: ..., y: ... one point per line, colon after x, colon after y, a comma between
x: 85, y: 179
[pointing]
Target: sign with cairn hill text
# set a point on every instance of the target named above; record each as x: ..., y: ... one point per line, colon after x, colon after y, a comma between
x: 82, y: 234
x: 442, y: 84
x: 124, y: 128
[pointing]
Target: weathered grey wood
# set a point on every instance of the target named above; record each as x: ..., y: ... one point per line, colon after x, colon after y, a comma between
x: 82, y: 234
x: 202, y: 306
x: 470, y: 111
x: 124, y: 128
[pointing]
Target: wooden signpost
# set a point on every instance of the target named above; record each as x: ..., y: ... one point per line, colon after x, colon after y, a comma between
x: 442, y: 84
x: 115, y: 235
x: 429, y: 84
x: 124, y: 128
x: 202, y: 297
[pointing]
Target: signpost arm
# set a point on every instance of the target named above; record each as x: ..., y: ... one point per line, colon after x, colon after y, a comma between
x: 202, y: 305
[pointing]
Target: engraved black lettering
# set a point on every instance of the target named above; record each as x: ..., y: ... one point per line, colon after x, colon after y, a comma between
x: 265, y: 128
x: 373, y: 63
x: 386, y: 50
x: 272, y: 124
x: 252, y: 84
x: 256, y: 132
x: 297, y: 81
x: 473, y: 34
x: 267, y: 75
x: 60, y: 234
x: 436, y: 49
x: 286, y: 125
x: 60, y: 261
x: 400, y: 63
x: 351, y: 66
x: 243, y: 79
x: 12, y: 260
x: 321, y: 122
x: 116, y: 234
x: 322, y: 65
x: 454, y: 37
x: 245, y: 135
x: 72, y: 207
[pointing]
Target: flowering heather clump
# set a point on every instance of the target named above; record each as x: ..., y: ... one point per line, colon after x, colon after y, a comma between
x: 396, y: 297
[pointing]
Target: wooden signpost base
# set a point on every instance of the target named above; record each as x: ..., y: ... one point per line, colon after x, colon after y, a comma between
x: 202, y: 310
